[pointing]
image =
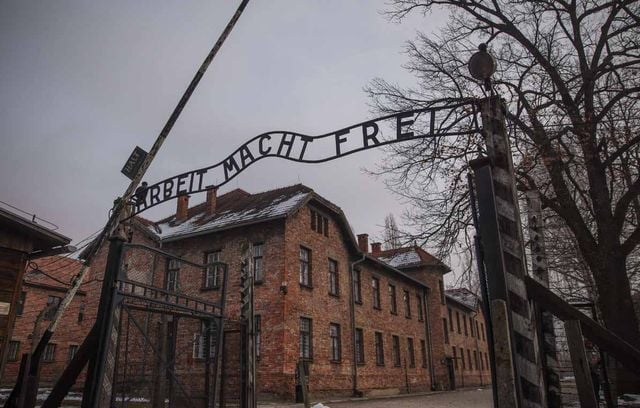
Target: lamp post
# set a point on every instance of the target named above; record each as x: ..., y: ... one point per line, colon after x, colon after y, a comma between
x: 482, y: 66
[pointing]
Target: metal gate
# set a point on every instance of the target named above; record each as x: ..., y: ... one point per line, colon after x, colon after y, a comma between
x: 168, y: 336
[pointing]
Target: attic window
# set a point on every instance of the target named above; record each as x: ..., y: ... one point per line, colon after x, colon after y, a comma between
x: 319, y: 223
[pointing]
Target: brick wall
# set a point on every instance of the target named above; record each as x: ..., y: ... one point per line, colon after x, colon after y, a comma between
x: 471, y: 373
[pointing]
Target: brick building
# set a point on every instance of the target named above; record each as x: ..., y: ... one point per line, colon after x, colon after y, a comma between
x: 45, y: 283
x: 368, y: 321
x: 466, y: 344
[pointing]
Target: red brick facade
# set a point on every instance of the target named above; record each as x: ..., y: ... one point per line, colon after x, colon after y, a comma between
x: 358, y: 343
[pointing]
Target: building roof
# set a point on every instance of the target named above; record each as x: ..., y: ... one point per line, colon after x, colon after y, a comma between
x: 463, y: 297
x: 52, y: 271
x: 43, y: 238
x: 234, y: 209
x: 410, y: 257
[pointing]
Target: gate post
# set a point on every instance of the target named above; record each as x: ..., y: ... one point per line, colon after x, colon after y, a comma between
x: 546, y: 330
x: 99, y: 381
x: 500, y: 231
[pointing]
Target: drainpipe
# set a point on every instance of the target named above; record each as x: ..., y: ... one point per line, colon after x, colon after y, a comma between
x: 427, y: 332
x: 352, y: 310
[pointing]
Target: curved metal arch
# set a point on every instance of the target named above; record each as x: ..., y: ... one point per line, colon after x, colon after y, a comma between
x: 298, y: 147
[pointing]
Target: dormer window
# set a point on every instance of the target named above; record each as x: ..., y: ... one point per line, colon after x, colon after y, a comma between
x: 319, y: 223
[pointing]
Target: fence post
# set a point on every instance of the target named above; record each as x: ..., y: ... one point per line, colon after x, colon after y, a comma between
x: 506, y: 387
x: 580, y: 364
x: 503, y: 247
x: 546, y: 333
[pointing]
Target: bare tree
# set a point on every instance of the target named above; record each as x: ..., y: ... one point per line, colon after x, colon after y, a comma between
x: 569, y: 73
x: 391, y: 237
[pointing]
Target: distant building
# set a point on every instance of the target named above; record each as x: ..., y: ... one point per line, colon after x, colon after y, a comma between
x: 366, y: 321
x: 21, y: 240
x: 466, y: 344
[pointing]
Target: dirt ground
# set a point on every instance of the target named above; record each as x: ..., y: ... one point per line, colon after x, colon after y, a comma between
x: 476, y: 398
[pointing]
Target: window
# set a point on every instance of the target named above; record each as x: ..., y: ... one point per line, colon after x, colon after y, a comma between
x: 258, y: 271
x: 73, y: 349
x: 407, y: 304
x: 486, y: 360
x: 49, y: 352
x: 392, y: 299
x: 319, y: 223
x: 359, y: 347
x: 464, y: 365
x: 334, y: 284
x: 81, y: 312
x: 441, y: 287
x: 200, y: 339
x: 475, y: 358
x: 306, y: 351
x: 469, y: 357
x: 481, y: 361
x: 455, y: 358
x: 53, y: 302
x: 379, y: 349
x: 334, y: 333
x: 477, y: 330
x: 395, y: 344
x: 446, y: 332
x: 482, y: 331
x: 458, y: 322
x: 305, y: 267
x: 375, y: 283
x: 258, y: 338
x: 423, y: 349
x: 357, y: 295
x: 420, y: 310
x: 471, y: 323
x: 464, y: 321
x: 172, y: 275
x: 412, y: 354
x: 14, y: 350
x: 450, y: 319
x: 20, y: 304
x: 212, y: 273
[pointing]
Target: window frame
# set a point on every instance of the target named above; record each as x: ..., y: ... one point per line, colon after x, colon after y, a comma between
x: 357, y: 286
x: 72, y: 350
x: 172, y: 271
x: 420, y: 308
x: 308, y: 334
x: 395, y: 351
x: 13, y: 350
x: 308, y: 283
x: 50, y: 311
x: 334, y: 278
x: 49, y: 353
x: 335, y: 342
x: 359, y: 345
x: 407, y: 303
x: 22, y: 299
x: 423, y: 350
x: 411, y: 352
x: 379, y: 348
x: 375, y: 284
x: 258, y: 274
x: 257, y: 325
x: 393, y: 300
x: 214, y: 269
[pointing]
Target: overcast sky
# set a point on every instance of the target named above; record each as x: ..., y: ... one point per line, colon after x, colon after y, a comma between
x: 83, y: 82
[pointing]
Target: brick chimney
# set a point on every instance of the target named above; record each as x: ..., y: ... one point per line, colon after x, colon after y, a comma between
x: 182, y: 207
x: 212, y: 200
x: 376, y: 249
x: 363, y: 242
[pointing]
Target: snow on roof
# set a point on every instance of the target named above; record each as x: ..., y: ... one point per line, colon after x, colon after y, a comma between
x: 402, y: 259
x: 463, y: 296
x: 278, y: 206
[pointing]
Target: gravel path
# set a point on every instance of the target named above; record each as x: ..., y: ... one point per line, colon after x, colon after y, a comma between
x: 476, y: 398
